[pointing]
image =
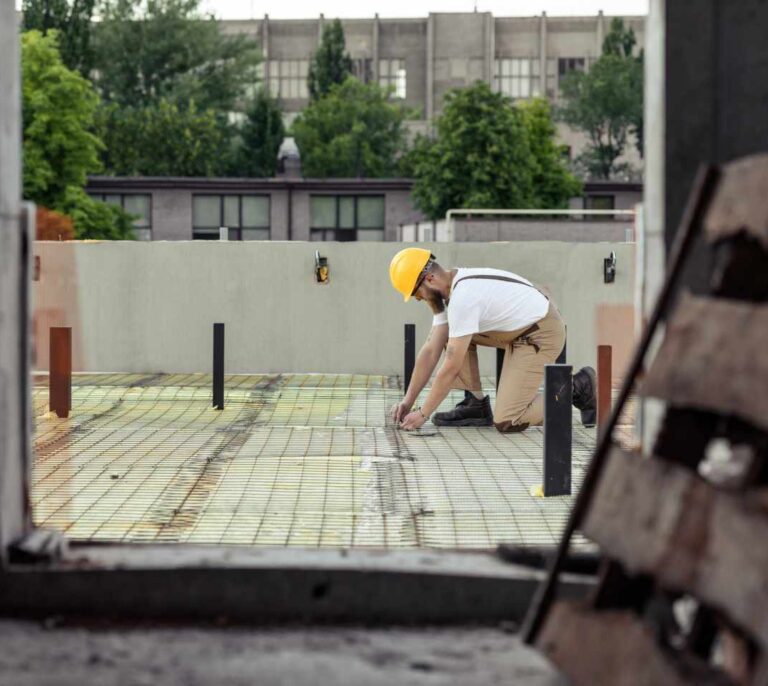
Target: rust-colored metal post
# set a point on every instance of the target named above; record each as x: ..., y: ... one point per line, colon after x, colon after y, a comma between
x: 60, y: 365
x: 604, y: 384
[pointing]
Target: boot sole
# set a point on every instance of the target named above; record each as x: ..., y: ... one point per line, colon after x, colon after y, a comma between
x: 463, y: 422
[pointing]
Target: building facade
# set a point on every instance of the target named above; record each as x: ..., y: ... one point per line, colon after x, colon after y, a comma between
x: 422, y: 59
x: 293, y: 208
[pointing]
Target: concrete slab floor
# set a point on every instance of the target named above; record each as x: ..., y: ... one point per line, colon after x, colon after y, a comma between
x: 46, y: 655
x: 292, y: 460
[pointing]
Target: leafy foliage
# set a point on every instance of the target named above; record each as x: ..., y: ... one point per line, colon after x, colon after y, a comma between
x: 163, y: 139
x: 606, y: 103
x: 59, y: 107
x: 331, y: 64
x: 72, y: 19
x: 353, y: 131
x: 53, y: 226
x: 489, y: 154
x: 96, y: 220
x: 60, y: 150
x: 165, y: 50
x: 553, y: 183
x: 261, y: 136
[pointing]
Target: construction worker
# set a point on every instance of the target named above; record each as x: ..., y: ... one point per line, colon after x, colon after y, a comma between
x: 488, y: 307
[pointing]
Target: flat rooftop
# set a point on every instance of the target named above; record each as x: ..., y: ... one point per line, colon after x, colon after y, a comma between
x: 293, y: 460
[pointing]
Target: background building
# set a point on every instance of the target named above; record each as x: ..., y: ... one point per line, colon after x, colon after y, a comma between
x: 422, y: 59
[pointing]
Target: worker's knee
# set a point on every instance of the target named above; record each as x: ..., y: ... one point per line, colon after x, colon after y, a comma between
x: 510, y: 427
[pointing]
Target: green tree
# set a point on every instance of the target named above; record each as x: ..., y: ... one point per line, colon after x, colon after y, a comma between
x: 165, y: 49
x: 164, y: 139
x: 260, y: 137
x: 72, y: 19
x: 606, y: 103
x: 60, y: 150
x: 331, y: 64
x: 553, y: 183
x: 481, y: 156
x: 354, y: 131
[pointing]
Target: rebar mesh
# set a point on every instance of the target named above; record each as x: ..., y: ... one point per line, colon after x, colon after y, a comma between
x: 305, y: 460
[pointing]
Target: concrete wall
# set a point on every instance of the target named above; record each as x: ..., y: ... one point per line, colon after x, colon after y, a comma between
x: 149, y: 307
x: 596, y: 231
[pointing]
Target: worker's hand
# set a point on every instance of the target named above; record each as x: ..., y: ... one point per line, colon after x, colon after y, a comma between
x: 413, y: 420
x: 397, y: 412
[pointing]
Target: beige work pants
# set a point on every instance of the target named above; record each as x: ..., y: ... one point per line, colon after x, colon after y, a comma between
x: 518, y: 402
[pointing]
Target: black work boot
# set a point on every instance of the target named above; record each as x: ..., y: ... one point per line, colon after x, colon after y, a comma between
x: 585, y: 395
x: 469, y: 412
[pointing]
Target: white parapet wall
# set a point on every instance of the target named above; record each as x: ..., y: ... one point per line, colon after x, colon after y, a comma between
x: 150, y: 307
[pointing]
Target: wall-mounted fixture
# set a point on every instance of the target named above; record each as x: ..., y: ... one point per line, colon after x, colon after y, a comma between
x: 321, y: 268
x: 609, y: 268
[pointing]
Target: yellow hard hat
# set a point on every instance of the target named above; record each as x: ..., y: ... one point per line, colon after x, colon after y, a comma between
x: 405, y: 269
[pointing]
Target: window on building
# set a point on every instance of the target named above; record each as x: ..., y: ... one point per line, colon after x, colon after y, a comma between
x: 392, y: 75
x: 347, y: 217
x: 288, y: 79
x: 516, y: 77
x: 139, y: 205
x: 558, y: 68
x: 362, y: 69
x: 565, y: 65
x: 600, y: 202
x: 246, y: 217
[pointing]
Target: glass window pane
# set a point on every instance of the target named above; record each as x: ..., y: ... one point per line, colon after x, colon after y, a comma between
x: 322, y: 211
x: 506, y: 67
x: 347, y: 213
x: 304, y: 90
x: 370, y: 212
x: 370, y: 235
x: 525, y: 88
x: 206, y: 211
x: 255, y: 234
x: 400, y: 86
x: 383, y: 68
x: 142, y: 234
x: 535, y: 64
x: 112, y: 199
x: 525, y: 67
x: 231, y: 211
x: 256, y: 211
x: 138, y: 205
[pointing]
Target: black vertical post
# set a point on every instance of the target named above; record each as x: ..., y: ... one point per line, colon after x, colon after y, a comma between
x: 218, y: 366
x: 499, y: 364
x: 558, y: 392
x: 562, y: 356
x: 410, y: 354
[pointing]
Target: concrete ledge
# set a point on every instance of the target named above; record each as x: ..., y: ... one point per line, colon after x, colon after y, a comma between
x: 274, y: 586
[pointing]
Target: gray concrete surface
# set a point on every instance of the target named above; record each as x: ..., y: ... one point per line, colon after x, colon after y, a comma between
x: 13, y: 367
x: 149, y: 307
x: 46, y: 654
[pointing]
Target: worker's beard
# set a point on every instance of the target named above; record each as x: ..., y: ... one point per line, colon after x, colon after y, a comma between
x: 435, y: 300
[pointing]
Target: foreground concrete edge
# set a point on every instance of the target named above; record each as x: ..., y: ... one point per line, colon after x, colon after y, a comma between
x: 198, y: 583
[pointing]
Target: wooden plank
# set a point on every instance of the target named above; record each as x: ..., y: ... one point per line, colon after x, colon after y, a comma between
x: 740, y: 202
x: 658, y: 518
x: 712, y: 358
x: 614, y: 647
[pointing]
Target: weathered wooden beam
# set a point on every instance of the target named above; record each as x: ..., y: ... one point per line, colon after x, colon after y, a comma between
x: 712, y: 358
x: 658, y: 518
x: 740, y: 203
x: 615, y: 647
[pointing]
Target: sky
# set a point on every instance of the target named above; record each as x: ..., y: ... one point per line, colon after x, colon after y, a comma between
x: 304, y: 9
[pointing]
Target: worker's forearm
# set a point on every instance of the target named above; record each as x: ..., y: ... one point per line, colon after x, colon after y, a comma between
x: 441, y: 386
x: 425, y: 364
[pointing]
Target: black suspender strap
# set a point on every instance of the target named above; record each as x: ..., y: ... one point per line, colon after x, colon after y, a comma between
x: 496, y: 278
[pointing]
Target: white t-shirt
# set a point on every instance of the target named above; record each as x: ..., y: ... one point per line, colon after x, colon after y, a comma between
x: 480, y: 305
